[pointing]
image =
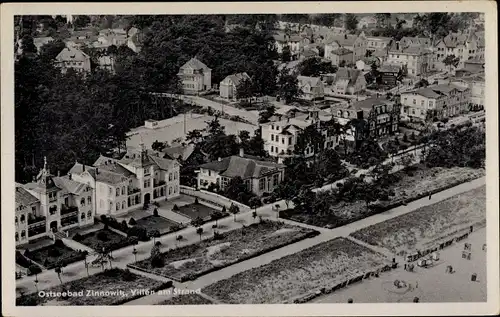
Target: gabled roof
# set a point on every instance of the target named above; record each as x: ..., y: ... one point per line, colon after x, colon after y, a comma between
x: 162, y: 163
x: 349, y: 74
x: 244, y: 167
x: 237, y: 78
x: 284, y: 38
x: 379, y: 38
x: 341, y: 51
x: 455, y: 39
x: 343, y: 40
x: 99, y: 174
x: 180, y: 151
x: 312, y: 81
x: 410, y: 50
x: 72, y: 54
x: 388, y: 69
x: 194, y: 63
x: 369, y: 103
x: 24, y: 198
x: 415, y: 40
x: 69, y: 185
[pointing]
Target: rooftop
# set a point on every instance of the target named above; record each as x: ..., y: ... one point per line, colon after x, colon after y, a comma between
x: 341, y: 51
x: 237, y: 78
x: 242, y: 166
x: 182, y: 152
x: 72, y: 54
x: 24, y: 198
x: 312, y: 81
x: 194, y: 63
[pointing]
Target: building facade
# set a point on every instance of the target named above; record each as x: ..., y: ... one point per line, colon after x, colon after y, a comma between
x: 228, y: 87
x: 312, y: 88
x: 416, y: 59
x: 73, y: 58
x: 195, y: 77
x: 348, y: 81
x: 259, y: 176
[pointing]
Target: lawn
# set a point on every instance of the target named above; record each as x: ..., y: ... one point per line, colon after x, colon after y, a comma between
x: 188, y: 299
x: 50, y: 255
x: 191, y: 261
x: 119, y: 285
x: 323, y: 265
x: 427, y: 224
x: 195, y: 210
x: 408, y: 188
x: 163, y: 225
x: 111, y: 240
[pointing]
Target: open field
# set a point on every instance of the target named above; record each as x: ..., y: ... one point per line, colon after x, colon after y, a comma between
x: 409, y: 187
x: 323, y: 265
x: 195, y: 210
x: 191, y: 261
x: 411, y: 231
x: 434, y: 285
x: 188, y: 299
x: 112, y: 240
x: 162, y: 224
x: 112, y: 287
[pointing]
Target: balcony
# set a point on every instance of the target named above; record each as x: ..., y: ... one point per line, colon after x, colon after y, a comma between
x: 159, y: 183
x: 67, y: 211
x: 36, y: 230
x: 133, y: 190
x: 35, y: 220
x: 68, y: 221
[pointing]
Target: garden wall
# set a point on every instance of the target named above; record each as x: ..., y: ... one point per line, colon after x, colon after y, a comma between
x: 212, y: 198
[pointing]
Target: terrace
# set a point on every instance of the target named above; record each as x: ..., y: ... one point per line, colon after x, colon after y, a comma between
x: 67, y: 211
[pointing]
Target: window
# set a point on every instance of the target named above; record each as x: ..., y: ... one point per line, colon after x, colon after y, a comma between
x: 176, y: 175
x: 82, y: 201
x: 414, y: 101
x: 276, y: 179
x: 16, y: 220
x: 431, y: 103
x: 123, y: 205
x: 82, y: 216
x: 413, y: 111
x: 23, y: 218
x: 123, y: 190
x: 170, y: 177
x: 289, y: 140
x: 118, y: 192
x: 89, y: 214
x: 110, y: 191
x: 272, y: 149
x: 17, y: 236
x: 272, y: 137
x: 262, y: 184
x: 117, y: 206
x: 23, y: 234
x: 176, y: 189
x: 283, y: 140
x: 209, y: 173
x: 145, y: 184
x: 89, y: 200
x: 170, y: 190
x: 33, y: 210
x: 53, y: 210
x: 422, y: 102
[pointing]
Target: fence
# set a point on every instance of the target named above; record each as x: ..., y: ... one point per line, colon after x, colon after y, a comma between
x: 212, y: 198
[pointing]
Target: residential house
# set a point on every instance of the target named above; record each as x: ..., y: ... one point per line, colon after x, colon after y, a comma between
x: 480, y: 45
x: 312, y: 88
x: 341, y: 56
x: 476, y: 85
x: 375, y: 43
x: 41, y: 41
x: 137, y: 179
x: 444, y: 101
x: 355, y: 43
x: 292, y: 41
x: 474, y: 65
x: 195, y: 76
x: 51, y: 204
x: 258, y: 175
x: 228, y: 87
x: 461, y: 45
x: 381, y: 114
x: 349, y: 81
x: 281, y: 136
x: 107, y: 62
x: 417, y: 59
x: 367, y: 22
x: 407, y: 41
x: 134, y: 39
x: 366, y: 63
x: 306, y: 53
x: 108, y: 37
x: 389, y: 74
x: 73, y: 58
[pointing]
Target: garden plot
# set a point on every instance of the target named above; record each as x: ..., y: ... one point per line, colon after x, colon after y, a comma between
x: 194, y: 260
x: 323, y: 265
x: 427, y: 224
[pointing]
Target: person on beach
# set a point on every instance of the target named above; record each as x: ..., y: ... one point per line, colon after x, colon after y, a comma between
x: 430, y: 196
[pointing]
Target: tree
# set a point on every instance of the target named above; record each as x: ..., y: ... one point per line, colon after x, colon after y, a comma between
x: 254, y: 202
x: 286, y: 54
x: 234, y: 210
x: 158, y: 146
x: 197, y: 222
x: 451, y: 60
x: 194, y: 136
x: 49, y: 51
x: 382, y: 19
x: 199, y: 231
x: 305, y: 198
x: 81, y: 21
x: 216, y: 215
x: 287, y: 190
x: 153, y: 234
x: 422, y: 83
x: 315, y: 66
x: 236, y: 189
x: 267, y: 113
x: 156, y: 257
x: 350, y: 22
x: 245, y: 89
x: 132, y: 222
x: 155, y: 212
x: 34, y: 270
x: 288, y: 86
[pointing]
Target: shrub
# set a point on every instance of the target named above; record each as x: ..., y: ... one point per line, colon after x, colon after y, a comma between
x: 101, y: 235
x: 175, y: 208
x: 77, y: 237
x: 132, y: 222
x: 59, y: 243
x: 157, y: 261
x: 179, y: 238
x: 34, y: 269
x: 445, y: 120
x: 128, y: 276
x: 155, y: 212
x: 140, y: 233
x: 104, y: 218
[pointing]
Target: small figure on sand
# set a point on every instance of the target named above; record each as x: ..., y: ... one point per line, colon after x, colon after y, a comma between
x: 430, y: 196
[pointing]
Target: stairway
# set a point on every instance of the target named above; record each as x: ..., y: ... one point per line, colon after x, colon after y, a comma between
x: 59, y: 235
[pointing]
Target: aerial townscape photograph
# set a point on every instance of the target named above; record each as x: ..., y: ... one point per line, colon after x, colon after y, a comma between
x: 207, y: 159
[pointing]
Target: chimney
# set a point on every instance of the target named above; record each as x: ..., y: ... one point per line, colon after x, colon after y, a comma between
x: 242, y: 152
x: 70, y: 176
x: 345, y: 36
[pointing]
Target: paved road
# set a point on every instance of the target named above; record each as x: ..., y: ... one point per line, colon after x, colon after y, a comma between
x: 325, y: 235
